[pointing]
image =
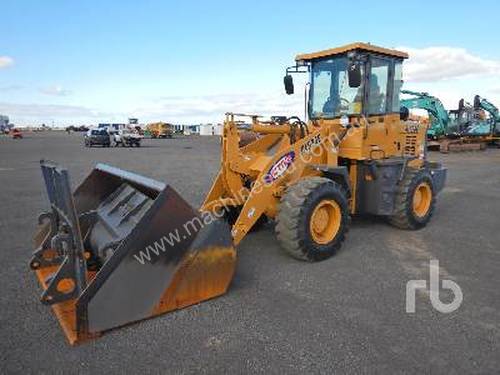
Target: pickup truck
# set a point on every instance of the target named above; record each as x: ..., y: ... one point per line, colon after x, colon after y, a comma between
x: 127, y: 138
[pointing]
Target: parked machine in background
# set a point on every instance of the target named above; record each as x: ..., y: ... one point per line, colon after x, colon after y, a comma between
x: 133, y: 124
x: 5, y: 125
x: 470, y: 127
x: 124, y: 247
x: 463, y: 129
x: 438, y: 115
x: 489, y: 127
x: 461, y: 118
x: 16, y: 133
x: 160, y: 130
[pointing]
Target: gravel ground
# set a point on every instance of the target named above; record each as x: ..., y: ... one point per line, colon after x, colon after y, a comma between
x: 280, y: 315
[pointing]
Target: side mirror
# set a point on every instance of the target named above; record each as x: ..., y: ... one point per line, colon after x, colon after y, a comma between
x: 404, y: 113
x: 354, y: 74
x: 288, y: 81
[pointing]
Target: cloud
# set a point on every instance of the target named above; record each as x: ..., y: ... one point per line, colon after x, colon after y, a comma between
x: 6, y: 61
x: 211, y: 108
x: 33, y: 114
x: 443, y: 63
x: 495, y: 90
x: 446, y: 72
x: 176, y: 109
x: 55, y: 91
x: 44, y: 110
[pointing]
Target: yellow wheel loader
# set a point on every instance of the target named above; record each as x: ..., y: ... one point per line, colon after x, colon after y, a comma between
x: 122, y: 247
x: 160, y: 130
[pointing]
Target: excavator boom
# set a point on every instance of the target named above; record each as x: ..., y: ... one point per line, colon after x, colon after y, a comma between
x: 439, y: 119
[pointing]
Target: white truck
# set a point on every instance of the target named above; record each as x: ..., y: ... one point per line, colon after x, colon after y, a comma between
x: 126, y: 138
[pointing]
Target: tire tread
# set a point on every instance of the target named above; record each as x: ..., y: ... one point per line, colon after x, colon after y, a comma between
x: 291, y: 211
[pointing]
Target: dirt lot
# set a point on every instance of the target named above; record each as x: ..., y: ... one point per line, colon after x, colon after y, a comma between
x: 346, y: 314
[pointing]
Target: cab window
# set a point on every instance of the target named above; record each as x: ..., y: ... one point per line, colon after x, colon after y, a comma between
x: 331, y: 95
x: 377, y: 95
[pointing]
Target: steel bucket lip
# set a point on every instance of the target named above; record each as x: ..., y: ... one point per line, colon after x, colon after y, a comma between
x: 131, y: 176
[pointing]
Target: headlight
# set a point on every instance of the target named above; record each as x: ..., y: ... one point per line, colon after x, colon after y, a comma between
x: 344, y: 121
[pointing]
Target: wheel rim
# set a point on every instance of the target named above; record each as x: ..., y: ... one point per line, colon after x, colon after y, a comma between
x: 422, y: 198
x: 325, y: 221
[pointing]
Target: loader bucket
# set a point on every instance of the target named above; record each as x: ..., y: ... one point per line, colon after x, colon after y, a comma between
x: 123, y: 248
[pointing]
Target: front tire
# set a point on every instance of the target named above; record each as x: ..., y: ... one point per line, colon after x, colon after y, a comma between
x: 415, y: 200
x: 313, y: 219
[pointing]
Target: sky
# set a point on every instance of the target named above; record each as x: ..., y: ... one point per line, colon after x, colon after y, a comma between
x: 85, y: 62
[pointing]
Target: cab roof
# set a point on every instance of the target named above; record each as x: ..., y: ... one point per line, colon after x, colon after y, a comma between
x: 351, y: 47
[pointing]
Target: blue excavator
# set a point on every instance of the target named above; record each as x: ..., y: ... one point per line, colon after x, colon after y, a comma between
x: 468, y: 120
x: 481, y: 126
x: 439, y: 119
x: 461, y: 119
x: 465, y: 128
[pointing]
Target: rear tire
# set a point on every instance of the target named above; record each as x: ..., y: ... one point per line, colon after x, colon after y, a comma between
x: 415, y: 200
x: 313, y: 219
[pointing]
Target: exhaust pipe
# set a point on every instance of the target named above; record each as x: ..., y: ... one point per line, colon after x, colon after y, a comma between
x: 123, y: 248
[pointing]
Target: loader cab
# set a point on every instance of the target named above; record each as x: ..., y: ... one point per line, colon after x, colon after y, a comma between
x: 355, y: 80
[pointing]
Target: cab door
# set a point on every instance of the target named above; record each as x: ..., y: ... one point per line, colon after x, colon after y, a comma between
x: 382, y: 108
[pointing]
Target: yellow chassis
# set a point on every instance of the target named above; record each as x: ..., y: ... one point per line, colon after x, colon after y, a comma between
x: 255, y: 176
